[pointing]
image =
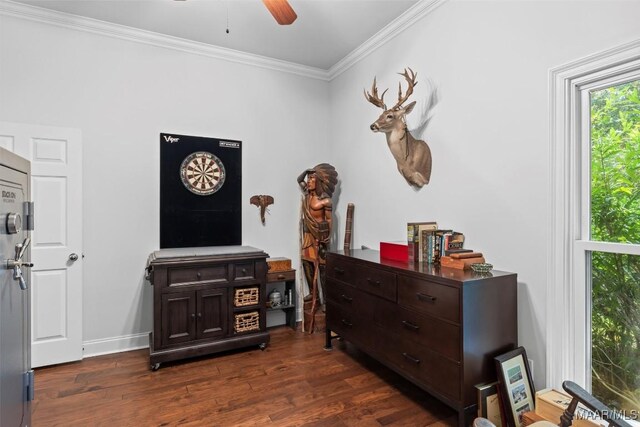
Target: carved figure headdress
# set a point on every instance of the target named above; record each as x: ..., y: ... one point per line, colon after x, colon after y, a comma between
x: 326, y: 179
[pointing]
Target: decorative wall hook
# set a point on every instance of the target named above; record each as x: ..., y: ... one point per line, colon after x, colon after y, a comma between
x: 261, y: 201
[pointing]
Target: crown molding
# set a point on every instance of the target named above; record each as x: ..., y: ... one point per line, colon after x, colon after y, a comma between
x: 412, y: 15
x: 80, y: 23
x: 108, y: 29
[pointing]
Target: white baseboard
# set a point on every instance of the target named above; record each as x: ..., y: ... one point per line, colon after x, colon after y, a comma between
x: 115, y: 344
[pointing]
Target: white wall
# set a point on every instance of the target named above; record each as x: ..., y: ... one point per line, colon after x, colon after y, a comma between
x: 489, y: 62
x: 122, y: 95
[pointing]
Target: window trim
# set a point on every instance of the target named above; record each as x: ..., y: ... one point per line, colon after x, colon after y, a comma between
x: 567, y: 350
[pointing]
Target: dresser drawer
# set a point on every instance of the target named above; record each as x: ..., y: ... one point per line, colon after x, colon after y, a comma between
x: 341, y: 269
x: 424, y: 365
x: 182, y: 276
x: 244, y: 271
x: 350, y: 326
x: 351, y: 299
x: 278, y: 276
x: 376, y: 281
x: 429, y: 297
x: 442, y: 337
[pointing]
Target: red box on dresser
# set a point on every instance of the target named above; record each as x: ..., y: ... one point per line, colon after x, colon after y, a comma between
x: 397, y: 251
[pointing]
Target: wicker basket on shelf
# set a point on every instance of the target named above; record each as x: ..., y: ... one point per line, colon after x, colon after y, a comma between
x: 246, y: 296
x: 245, y: 322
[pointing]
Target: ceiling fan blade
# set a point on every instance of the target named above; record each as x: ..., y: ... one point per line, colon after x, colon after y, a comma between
x: 281, y: 11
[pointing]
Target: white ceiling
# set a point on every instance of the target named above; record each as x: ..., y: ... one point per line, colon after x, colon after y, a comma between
x: 324, y: 33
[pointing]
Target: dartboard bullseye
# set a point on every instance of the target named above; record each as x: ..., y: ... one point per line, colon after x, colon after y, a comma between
x: 202, y: 173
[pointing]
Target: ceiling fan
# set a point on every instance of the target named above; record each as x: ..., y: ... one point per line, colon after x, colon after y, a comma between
x: 281, y: 11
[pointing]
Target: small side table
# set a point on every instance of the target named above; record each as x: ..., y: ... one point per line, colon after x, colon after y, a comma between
x: 289, y: 279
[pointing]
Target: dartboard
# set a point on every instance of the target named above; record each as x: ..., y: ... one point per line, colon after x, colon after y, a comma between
x: 202, y: 173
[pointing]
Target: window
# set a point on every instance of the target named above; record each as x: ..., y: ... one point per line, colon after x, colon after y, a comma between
x: 613, y: 151
x: 593, y: 289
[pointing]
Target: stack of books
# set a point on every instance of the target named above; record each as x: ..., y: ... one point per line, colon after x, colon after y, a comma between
x: 461, y: 260
x: 551, y: 403
x: 427, y: 243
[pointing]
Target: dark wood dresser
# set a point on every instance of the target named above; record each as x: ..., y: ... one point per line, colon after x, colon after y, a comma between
x: 438, y: 327
x: 206, y: 300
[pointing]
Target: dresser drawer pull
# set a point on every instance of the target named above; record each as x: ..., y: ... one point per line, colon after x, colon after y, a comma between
x: 373, y: 282
x: 198, y: 275
x: 281, y: 276
x: 346, y: 298
x: 244, y: 271
x: 425, y: 297
x: 410, y: 325
x: 346, y: 323
x: 193, y: 316
x: 338, y: 270
x: 410, y: 358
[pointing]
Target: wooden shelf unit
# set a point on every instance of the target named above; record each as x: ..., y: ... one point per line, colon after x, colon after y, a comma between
x: 288, y: 277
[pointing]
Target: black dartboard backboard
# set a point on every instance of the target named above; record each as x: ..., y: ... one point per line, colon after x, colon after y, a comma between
x: 200, y: 191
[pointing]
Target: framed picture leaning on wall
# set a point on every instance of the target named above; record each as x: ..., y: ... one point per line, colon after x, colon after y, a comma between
x: 516, y: 390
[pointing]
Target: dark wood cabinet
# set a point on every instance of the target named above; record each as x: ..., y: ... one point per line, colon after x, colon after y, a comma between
x: 206, y: 300
x: 438, y: 327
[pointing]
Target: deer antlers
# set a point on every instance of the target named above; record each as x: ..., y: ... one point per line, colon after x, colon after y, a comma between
x: 374, y: 99
x: 378, y: 101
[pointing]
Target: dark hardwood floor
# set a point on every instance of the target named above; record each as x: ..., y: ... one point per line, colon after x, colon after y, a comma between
x: 294, y: 382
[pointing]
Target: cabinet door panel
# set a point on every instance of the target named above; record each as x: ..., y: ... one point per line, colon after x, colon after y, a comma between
x: 212, y: 313
x: 178, y: 317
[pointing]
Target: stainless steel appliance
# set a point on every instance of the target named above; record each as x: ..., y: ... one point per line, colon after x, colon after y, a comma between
x: 16, y: 219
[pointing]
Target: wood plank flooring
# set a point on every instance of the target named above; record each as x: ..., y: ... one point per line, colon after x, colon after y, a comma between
x: 294, y: 382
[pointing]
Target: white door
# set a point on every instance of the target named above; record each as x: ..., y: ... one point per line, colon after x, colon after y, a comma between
x: 56, y: 188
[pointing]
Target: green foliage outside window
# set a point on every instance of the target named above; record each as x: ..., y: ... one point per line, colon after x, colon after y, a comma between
x: 615, y: 217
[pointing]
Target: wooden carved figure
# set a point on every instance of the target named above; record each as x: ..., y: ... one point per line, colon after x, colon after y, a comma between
x: 413, y: 156
x: 318, y: 185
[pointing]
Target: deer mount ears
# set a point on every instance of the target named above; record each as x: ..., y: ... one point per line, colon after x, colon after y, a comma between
x: 408, y: 108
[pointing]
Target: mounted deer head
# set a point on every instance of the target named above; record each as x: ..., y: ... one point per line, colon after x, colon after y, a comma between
x: 413, y: 157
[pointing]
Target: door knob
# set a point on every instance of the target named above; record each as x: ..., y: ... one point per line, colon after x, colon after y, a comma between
x: 73, y: 257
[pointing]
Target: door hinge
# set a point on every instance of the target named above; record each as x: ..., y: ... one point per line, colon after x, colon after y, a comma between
x: 29, y: 384
x: 28, y: 215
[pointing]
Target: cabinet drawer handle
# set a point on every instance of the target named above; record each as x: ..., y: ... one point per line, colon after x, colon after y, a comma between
x: 338, y: 270
x: 425, y: 297
x: 244, y: 271
x: 373, y: 282
x: 346, y: 298
x: 198, y: 275
x: 200, y: 315
x: 346, y: 323
x: 193, y: 316
x: 281, y: 276
x: 410, y: 358
x: 410, y: 325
